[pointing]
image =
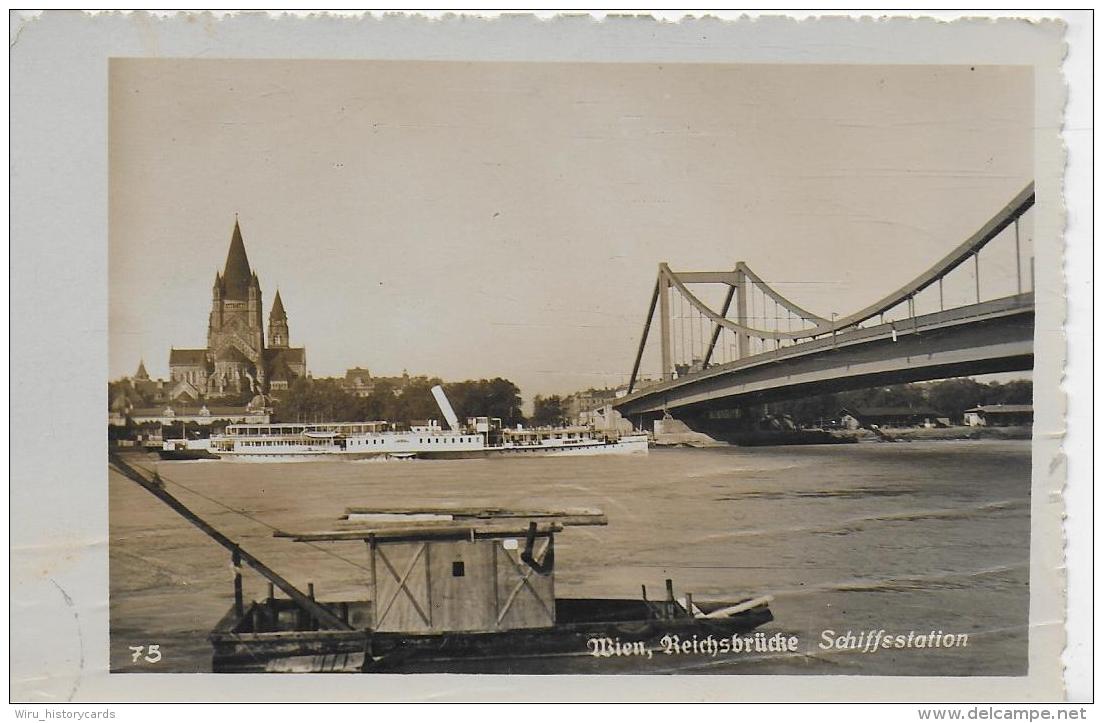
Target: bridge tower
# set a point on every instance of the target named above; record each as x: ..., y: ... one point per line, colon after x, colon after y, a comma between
x: 766, y: 332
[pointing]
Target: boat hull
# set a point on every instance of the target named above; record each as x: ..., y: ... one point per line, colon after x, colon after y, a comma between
x: 588, y: 632
x: 185, y: 454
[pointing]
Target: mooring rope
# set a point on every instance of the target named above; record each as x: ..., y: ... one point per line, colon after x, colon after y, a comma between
x: 246, y: 515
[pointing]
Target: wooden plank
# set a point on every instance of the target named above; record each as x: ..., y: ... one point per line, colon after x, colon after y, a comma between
x: 740, y: 608
x: 416, y: 532
x: 526, y: 598
x: 463, y: 602
x: 290, y: 636
x: 475, y: 512
x: 364, y: 522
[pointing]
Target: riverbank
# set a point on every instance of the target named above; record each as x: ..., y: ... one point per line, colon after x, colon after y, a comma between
x: 947, y: 433
x: 685, y: 437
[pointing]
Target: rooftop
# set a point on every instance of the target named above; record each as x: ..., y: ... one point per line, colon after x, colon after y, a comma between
x: 1003, y: 408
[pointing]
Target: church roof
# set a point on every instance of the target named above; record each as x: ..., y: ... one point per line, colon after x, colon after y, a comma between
x: 141, y: 373
x: 237, y: 275
x: 231, y: 354
x: 293, y: 355
x: 277, y: 309
x: 280, y: 371
x: 187, y: 357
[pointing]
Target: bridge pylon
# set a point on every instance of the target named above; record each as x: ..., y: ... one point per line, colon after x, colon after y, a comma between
x: 741, y: 283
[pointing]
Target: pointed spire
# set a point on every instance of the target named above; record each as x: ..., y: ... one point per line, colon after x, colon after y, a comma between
x: 277, y: 309
x: 141, y: 373
x: 237, y: 276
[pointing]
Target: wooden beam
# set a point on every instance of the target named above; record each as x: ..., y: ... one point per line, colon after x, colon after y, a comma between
x: 417, y: 532
x: 324, y: 617
x: 479, y: 513
x: 467, y: 523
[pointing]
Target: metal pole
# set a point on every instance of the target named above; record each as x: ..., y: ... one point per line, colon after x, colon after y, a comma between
x: 1018, y: 260
x: 643, y: 338
x: 716, y: 331
x: 239, y: 600
x: 976, y: 272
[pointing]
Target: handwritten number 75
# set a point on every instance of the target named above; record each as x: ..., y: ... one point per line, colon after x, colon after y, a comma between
x: 152, y: 653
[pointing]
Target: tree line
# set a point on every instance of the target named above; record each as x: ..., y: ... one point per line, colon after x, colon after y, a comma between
x: 324, y: 400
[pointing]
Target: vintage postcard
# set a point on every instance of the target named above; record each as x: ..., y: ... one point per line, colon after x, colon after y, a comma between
x: 715, y: 351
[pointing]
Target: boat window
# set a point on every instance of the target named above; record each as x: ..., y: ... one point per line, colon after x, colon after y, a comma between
x: 457, y: 568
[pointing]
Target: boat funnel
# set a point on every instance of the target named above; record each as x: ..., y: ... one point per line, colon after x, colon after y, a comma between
x: 446, y: 408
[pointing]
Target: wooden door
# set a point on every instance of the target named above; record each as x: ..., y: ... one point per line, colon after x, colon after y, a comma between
x: 400, y: 575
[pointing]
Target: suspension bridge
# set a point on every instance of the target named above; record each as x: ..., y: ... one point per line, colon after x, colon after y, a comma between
x: 759, y: 346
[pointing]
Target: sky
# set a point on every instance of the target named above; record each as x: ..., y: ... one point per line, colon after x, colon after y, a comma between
x: 473, y: 220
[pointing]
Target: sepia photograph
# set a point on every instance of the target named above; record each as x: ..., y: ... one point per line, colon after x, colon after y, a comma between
x: 570, y: 368
x: 550, y: 358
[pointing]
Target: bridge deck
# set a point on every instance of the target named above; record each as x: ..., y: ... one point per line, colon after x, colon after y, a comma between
x: 680, y: 391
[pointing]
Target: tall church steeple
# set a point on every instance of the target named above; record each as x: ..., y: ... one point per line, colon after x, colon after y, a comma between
x: 237, y: 314
x: 237, y: 275
x: 278, y: 335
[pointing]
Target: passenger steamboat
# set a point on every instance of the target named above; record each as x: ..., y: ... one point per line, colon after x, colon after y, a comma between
x: 478, y: 437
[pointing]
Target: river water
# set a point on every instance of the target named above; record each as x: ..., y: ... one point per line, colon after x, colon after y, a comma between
x: 910, y: 537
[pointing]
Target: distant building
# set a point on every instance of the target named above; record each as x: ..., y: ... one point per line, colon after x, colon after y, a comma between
x: 1000, y: 415
x: 358, y: 382
x: 641, y: 383
x: 606, y: 419
x: 236, y: 360
x: 855, y: 417
x: 202, y: 415
x: 579, y: 404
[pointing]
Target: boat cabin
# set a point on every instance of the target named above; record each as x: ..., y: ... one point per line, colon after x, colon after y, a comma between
x: 446, y: 570
x: 546, y: 436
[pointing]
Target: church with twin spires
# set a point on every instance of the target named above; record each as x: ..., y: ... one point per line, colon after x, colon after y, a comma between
x: 237, y: 361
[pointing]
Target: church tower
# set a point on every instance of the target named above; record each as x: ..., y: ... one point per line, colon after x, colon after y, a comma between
x: 236, y: 361
x: 235, y: 335
x: 278, y: 335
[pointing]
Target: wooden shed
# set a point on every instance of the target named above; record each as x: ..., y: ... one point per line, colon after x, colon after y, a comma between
x: 438, y: 570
